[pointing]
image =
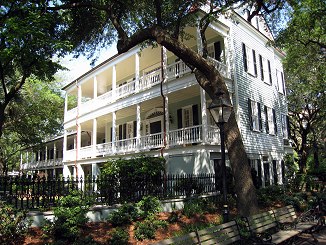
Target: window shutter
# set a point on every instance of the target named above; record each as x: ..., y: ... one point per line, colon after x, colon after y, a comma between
x: 244, y: 56
x: 250, y: 114
x: 195, y: 118
x: 179, y: 116
x: 111, y: 134
x: 135, y: 129
x: 283, y: 83
x: 255, y: 63
x: 270, y: 72
x: 124, y: 131
x: 218, y: 50
x: 288, y: 125
x: 274, y: 119
x: 259, y: 117
x: 266, y: 117
x: 120, y: 132
x: 261, y: 67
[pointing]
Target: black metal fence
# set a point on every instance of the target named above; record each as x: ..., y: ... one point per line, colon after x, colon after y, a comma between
x: 34, y: 192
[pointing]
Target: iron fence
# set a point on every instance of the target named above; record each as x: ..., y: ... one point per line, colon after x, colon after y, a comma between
x: 35, y: 192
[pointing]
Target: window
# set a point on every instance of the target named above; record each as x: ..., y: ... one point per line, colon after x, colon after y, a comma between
x: 188, y: 116
x: 254, y: 115
x: 285, y: 126
x: 265, y: 70
x: 249, y: 60
x: 214, y: 50
x: 280, y: 82
x: 270, y: 119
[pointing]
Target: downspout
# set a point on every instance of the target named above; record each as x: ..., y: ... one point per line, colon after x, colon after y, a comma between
x: 164, y: 105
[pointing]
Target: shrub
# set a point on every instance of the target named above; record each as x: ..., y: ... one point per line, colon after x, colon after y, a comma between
x: 147, y: 228
x: 174, y: 217
x: 266, y: 196
x: 119, y: 236
x: 149, y: 206
x: 192, y: 207
x: 124, y: 215
x: 13, y: 225
x: 69, y: 218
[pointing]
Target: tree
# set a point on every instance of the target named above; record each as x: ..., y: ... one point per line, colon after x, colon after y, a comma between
x: 29, y: 38
x: 304, y: 40
x: 35, y: 114
x: 94, y: 24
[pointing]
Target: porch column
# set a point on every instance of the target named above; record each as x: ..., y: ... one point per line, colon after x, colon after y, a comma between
x: 64, y: 147
x: 95, y: 173
x: 66, y: 103
x: 66, y: 171
x: 94, y: 136
x: 279, y: 172
x: 54, y: 152
x: 46, y: 153
x: 138, y: 124
x: 78, y: 139
x: 203, y: 114
x: 79, y: 96
x: 165, y: 63
x: 21, y: 161
x: 114, y: 118
x: 95, y: 87
x: 137, y: 72
x: 199, y: 41
x: 114, y: 81
x: 39, y: 156
x: 167, y: 121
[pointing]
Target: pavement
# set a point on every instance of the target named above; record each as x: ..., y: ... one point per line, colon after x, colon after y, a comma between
x: 320, y: 235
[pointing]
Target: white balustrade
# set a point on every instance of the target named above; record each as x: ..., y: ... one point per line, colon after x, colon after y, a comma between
x: 104, y: 149
x: 151, y: 141
x: 185, y: 135
x: 70, y: 155
x: 85, y: 152
x: 126, y: 89
x: 177, y: 69
x: 213, y: 134
x: 126, y: 145
x: 150, y: 78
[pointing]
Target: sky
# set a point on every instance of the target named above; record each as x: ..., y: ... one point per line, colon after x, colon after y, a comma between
x: 78, y: 66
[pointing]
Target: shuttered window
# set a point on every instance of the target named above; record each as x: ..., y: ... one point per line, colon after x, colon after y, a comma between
x: 265, y: 70
x: 249, y: 60
x: 280, y: 82
x: 285, y: 126
x: 254, y: 115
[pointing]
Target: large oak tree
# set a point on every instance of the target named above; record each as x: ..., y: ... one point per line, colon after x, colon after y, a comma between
x: 96, y: 23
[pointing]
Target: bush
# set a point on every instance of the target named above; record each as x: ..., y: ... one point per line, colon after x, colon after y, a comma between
x: 174, y: 217
x: 149, y: 206
x: 147, y: 228
x: 189, y: 187
x: 192, y: 207
x: 119, y: 236
x: 69, y: 218
x: 266, y: 196
x: 124, y: 215
x: 13, y: 225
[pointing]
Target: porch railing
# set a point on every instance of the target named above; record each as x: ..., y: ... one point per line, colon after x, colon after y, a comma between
x: 188, y: 135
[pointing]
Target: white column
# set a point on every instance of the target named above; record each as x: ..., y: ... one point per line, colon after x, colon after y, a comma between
x: 64, y: 147
x: 199, y: 41
x: 95, y: 88
x: 46, y: 153
x: 66, y: 171
x: 66, y: 103
x: 138, y: 124
x: 114, y: 118
x: 94, y: 136
x: 137, y: 72
x: 54, y: 152
x: 167, y: 120
x: 78, y: 140
x: 203, y: 114
x: 21, y: 160
x: 95, y: 170
x: 279, y: 172
x: 114, y: 81
x: 79, y: 95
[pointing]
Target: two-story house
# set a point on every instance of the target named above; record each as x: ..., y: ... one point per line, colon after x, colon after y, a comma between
x: 146, y: 101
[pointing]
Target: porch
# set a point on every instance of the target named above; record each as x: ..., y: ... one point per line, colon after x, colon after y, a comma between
x: 197, y: 134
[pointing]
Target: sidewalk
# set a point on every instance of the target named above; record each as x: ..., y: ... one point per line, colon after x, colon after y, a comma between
x: 307, y: 239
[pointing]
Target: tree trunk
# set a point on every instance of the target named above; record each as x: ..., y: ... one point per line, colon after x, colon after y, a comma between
x: 244, y: 187
x: 303, y: 152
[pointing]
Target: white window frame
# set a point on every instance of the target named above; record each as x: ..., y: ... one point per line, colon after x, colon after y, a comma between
x: 250, y: 61
x: 265, y: 70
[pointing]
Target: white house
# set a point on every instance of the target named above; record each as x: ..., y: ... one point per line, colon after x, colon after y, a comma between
x: 147, y: 101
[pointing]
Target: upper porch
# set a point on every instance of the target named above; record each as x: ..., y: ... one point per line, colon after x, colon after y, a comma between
x: 137, y: 71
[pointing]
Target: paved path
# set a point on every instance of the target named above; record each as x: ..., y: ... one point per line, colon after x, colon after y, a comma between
x: 307, y: 239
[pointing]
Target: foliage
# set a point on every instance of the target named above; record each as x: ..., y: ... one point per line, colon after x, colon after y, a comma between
x: 125, y: 214
x: 304, y: 41
x: 38, y: 107
x: 270, y: 194
x: 13, y: 224
x: 146, y: 229
x: 70, y: 217
x: 189, y: 186
x: 119, y: 236
x: 174, y: 216
x: 193, y: 207
x: 149, y: 206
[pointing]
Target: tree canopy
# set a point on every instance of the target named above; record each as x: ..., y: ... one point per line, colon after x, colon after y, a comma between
x: 304, y: 40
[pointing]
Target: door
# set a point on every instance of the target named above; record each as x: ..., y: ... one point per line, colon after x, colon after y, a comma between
x: 155, y: 127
